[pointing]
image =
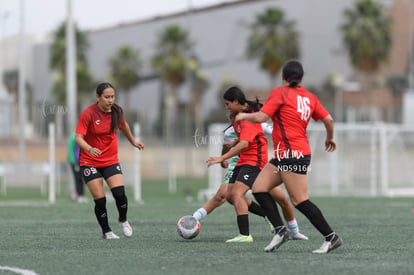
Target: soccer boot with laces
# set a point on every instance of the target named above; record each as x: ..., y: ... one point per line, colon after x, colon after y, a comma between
x: 110, y: 236
x: 280, y: 237
x: 329, y: 246
x: 126, y: 228
x: 241, y: 239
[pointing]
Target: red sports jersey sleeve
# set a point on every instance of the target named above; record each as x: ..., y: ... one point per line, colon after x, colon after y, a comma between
x: 95, y: 126
x: 291, y: 110
x: 274, y: 101
x: 256, y: 152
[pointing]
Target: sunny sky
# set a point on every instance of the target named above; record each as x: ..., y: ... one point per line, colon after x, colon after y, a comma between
x: 42, y: 16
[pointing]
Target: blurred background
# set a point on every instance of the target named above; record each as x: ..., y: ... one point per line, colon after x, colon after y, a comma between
x: 170, y: 63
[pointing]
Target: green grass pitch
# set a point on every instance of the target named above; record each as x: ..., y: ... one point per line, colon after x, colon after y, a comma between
x: 65, y: 238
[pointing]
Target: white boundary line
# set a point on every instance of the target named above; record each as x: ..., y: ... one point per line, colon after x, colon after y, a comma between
x: 24, y: 203
x: 18, y: 270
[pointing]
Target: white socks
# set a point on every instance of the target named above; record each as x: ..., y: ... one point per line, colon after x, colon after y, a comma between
x: 200, y: 214
x: 293, y: 226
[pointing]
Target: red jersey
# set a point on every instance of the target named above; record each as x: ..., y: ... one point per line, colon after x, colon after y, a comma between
x: 256, y: 153
x: 95, y: 125
x: 291, y: 110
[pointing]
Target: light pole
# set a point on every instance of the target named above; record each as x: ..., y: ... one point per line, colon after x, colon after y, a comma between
x: 22, y: 87
x: 70, y: 69
x: 410, y: 46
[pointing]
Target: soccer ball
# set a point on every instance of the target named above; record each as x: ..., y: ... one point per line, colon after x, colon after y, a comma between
x: 188, y: 227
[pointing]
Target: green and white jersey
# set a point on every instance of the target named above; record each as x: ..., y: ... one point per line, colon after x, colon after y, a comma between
x: 230, y: 135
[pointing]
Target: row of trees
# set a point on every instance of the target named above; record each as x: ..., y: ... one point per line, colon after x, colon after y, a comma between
x: 273, y: 40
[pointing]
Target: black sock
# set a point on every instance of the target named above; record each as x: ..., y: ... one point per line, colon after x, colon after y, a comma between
x: 315, y: 216
x: 121, y: 202
x: 269, y: 207
x: 256, y: 209
x: 101, y: 214
x: 243, y: 223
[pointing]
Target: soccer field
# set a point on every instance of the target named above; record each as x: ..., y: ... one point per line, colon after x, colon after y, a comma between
x: 64, y: 238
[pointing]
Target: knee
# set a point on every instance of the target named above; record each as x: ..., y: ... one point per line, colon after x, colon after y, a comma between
x: 296, y: 201
x: 118, y: 192
x: 100, y: 205
x: 218, y: 199
x: 308, y: 208
x: 257, y: 188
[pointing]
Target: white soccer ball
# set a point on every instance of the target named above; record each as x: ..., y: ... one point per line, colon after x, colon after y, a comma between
x: 188, y: 227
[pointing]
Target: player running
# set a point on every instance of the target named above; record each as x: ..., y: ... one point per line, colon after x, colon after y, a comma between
x: 251, y: 146
x: 229, y: 138
x: 291, y: 107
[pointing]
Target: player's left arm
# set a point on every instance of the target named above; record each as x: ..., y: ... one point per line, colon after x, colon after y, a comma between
x: 320, y: 113
x: 258, y: 117
x: 330, y: 144
x: 240, y: 147
x: 128, y: 134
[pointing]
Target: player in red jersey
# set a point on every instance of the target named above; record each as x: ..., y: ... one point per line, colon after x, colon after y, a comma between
x: 252, y: 148
x: 97, y: 138
x: 290, y: 107
x: 220, y: 197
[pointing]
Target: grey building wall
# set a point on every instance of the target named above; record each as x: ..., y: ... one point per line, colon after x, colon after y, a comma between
x: 220, y: 35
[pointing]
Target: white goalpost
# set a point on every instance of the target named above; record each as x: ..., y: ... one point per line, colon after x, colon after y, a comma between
x: 215, y: 172
x: 137, y: 166
x: 52, y: 163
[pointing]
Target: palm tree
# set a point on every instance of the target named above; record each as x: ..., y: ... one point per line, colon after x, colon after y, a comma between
x: 171, y: 62
x: 367, y: 35
x: 85, y: 84
x: 57, y: 62
x: 273, y: 41
x: 10, y: 80
x: 58, y: 48
x: 199, y: 84
x: 125, y: 67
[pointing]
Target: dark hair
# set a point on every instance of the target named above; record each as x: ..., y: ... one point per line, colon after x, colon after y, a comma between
x: 293, y: 73
x: 231, y: 117
x: 235, y: 93
x: 116, y: 111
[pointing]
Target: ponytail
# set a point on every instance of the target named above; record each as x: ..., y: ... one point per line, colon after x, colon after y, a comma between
x: 293, y: 83
x: 254, y: 106
x: 117, y: 117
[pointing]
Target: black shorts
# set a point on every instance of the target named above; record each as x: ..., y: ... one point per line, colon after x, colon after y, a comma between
x: 294, y: 165
x: 245, y: 173
x: 90, y: 173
